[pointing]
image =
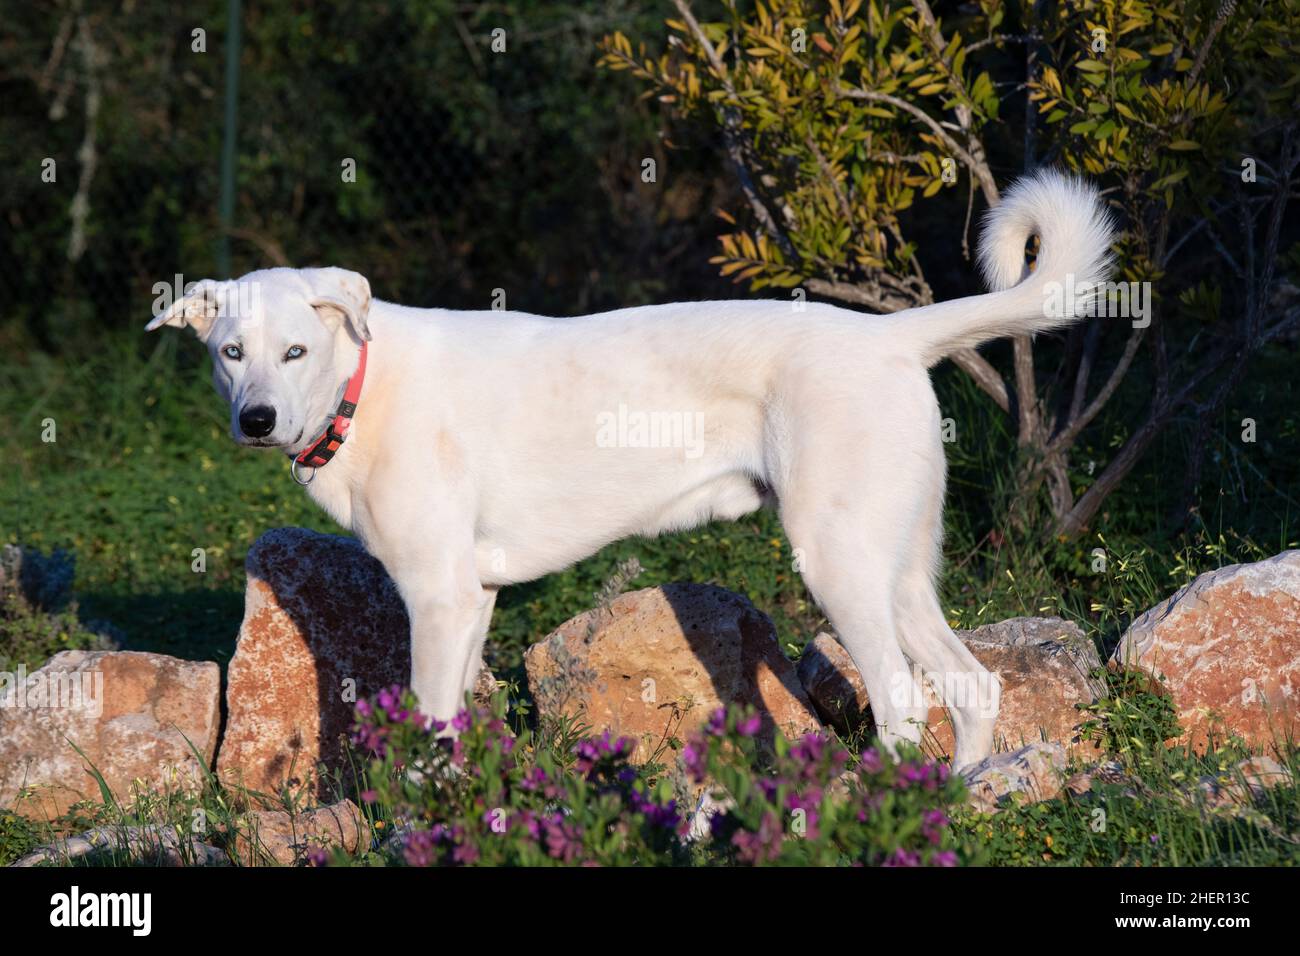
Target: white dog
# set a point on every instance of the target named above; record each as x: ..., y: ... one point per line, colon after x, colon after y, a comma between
x: 489, y: 448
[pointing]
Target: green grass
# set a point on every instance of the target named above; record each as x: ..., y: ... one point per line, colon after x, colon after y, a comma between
x: 1159, y: 827
x: 1151, y: 816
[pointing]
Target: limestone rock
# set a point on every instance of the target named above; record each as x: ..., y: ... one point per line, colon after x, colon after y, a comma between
x: 659, y: 661
x: 287, y: 839
x: 1246, y: 783
x: 1031, y: 774
x: 1226, y: 648
x: 131, y: 713
x: 323, y: 628
x: 833, y: 684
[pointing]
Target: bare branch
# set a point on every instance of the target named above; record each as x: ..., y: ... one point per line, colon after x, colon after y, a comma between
x: 1022, y: 355
x: 1066, y: 437
x: 273, y: 251
x: 984, y: 375
x: 1004, y: 38
x: 1226, y: 9
x: 870, y: 294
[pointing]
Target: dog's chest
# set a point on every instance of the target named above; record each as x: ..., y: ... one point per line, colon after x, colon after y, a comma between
x: 333, y: 494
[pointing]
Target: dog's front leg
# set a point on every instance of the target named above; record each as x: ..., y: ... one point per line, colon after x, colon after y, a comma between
x: 446, y: 605
x: 481, y: 627
x: 444, y: 634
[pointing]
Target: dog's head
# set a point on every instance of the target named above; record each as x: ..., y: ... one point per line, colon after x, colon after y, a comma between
x: 282, y: 343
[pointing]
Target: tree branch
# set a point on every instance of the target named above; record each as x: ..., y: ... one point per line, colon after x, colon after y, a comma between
x: 1066, y: 437
x: 731, y: 138
x: 978, y: 169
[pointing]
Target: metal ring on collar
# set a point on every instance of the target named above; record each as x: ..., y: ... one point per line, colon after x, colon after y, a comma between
x: 293, y: 470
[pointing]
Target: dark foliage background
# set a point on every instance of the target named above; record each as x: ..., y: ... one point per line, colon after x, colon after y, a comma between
x: 475, y: 170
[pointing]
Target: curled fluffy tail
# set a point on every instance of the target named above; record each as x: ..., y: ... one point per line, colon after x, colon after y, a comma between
x: 1074, y: 231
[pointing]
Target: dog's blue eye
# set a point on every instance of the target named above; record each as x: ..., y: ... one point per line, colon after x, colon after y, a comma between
x: 295, y: 351
x: 233, y: 352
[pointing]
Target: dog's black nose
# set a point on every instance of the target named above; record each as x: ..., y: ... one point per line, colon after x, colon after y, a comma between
x: 257, y: 421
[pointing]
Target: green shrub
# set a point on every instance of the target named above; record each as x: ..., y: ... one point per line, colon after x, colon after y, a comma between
x: 491, y: 798
x: 1134, y: 719
x: 818, y: 805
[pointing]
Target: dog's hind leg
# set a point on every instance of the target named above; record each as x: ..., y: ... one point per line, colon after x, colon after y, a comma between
x: 848, y: 566
x: 971, y: 693
x: 849, y: 498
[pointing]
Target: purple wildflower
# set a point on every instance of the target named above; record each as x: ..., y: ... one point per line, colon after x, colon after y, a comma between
x: 657, y: 814
x: 390, y: 702
x: 902, y: 857
x: 693, y: 760
x: 528, y: 820
x: 420, y: 848
x: 466, y: 854
x: 563, y: 839
x: 932, y: 825
x: 762, y: 846
x: 534, y: 779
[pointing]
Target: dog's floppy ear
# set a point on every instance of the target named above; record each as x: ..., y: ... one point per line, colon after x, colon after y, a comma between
x: 340, y: 296
x: 196, y: 308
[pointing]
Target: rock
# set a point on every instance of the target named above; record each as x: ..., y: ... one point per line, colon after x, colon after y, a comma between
x: 1046, y: 667
x: 1226, y: 649
x: 123, y: 845
x: 485, y: 685
x: 657, y: 662
x: 1262, y: 774
x: 323, y: 627
x: 1246, y: 783
x: 129, y: 712
x: 1110, y: 772
x: 1028, y: 775
x: 286, y: 839
x: 708, y: 804
x: 833, y: 684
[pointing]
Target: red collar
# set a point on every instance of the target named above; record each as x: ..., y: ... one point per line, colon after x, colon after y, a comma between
x: 331, y: 440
